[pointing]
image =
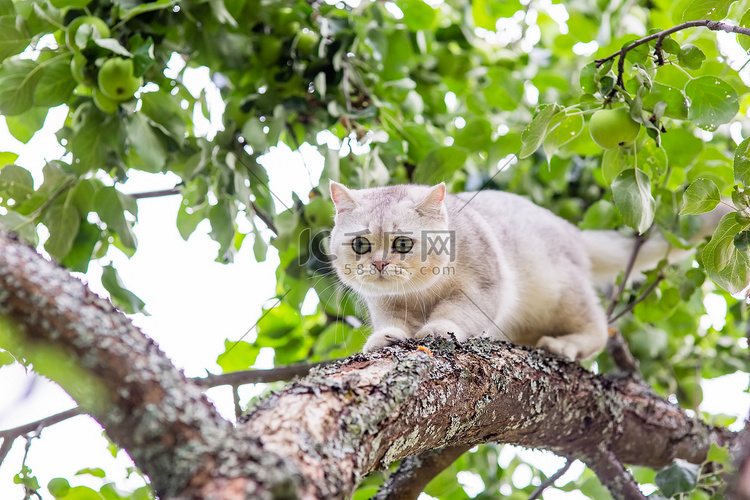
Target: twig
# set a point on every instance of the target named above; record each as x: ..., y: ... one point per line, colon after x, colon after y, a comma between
x: 712, y: 25
x: 550, y: 480
x: 281, y: 373
x: 236, y: 399
x: 40, y: 424
x: 637, y: 301
x: 639, y: 240
x: 155, y: 194
x: 9, y: 435
x: 265, y: 218
x: 415, y: 472
x: 613, y: 475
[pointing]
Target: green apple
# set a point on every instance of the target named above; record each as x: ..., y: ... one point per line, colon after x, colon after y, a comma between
x: 90, y: 25
x: 82, y: 71
x: 307, y: 44
x: 103, y: 102
x: 116, y: 79
x: 611, y: 128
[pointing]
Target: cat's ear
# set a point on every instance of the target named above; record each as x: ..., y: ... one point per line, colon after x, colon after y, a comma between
x: 342, y: 197
x: 433, y: 202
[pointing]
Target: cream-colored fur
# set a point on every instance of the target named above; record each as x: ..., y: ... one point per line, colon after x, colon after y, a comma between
x: 516, y: 271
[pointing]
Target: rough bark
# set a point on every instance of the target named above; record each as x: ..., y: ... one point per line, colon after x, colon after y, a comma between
x: 318, y: 437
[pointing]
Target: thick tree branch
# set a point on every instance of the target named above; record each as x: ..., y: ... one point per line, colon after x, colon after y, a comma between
x: 368, y: 411
x: 172, y: 432
x: 415, y: 472
x: 318, y: 437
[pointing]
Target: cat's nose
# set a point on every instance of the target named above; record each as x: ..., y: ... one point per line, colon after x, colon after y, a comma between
x: 379, y: 265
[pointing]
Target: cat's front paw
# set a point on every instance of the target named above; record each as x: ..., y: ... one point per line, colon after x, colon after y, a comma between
x: 560, y: 347
x: 384, y: 337
x: 441, y: 328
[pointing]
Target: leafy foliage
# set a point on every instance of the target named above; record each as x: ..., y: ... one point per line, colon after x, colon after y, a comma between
x: 476, y: 94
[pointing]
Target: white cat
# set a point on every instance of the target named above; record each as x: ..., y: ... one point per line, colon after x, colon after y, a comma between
x: 484, y: 263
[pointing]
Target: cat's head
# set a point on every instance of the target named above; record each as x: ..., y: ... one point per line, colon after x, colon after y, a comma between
x: 390, y: 240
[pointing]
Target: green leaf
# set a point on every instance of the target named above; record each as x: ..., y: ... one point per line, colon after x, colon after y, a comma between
x: 487, y: 12
x: 24, y: 226
x: 111, y: 205
x: 56, y: 83
x: 587, y: 78
x: 601, y: 215
x: 63, y: 221
x: 260, y: 247
x: 742, y: 163
x: 23, y: 126
x: 12, y: 40
x: 561, y: 130
x: 113, y: 46
x: 18, y: 80
x: 76, y: 4
x: 706, y: 9
x: 439, y: 165
x: 79, y: 256
x: 94, y: 138
x: 690, y: 56
x: 713, y: 102
x: 725, y: 264
x: 237, y: 356
x: 652, y: 158
x: 533, y: 135
x: 165, y: 114
x: 679, y: 477
x: 7, y: 158
x: 83, y: 493
x: 96, y: 472
x: 677, y: 104
x: 741, y: 241
x: 6, y: 358
x: 615, y: 161
x: 682, y: 146
x: 417, y: 14
x: 632, y: 194
x: 118, y: 294
x: 719, y: 455
x: 147, y: 151
x: 475, y: 136
x: 701, y: 196
x: 745, y: 23
x: 222, y: 217
x: 15, y: 183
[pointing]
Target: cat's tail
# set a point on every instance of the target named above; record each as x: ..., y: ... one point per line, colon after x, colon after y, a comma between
x: 610, y: 251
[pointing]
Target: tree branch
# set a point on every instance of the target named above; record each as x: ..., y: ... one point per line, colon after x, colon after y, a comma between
x: 277, y: 374
x: 322, y: 434
x: 156, y: 194
x: 9, y: 435
x: 614, y: 475
x: 40, y: 424
x: 415, y: 472
x: 707, y: 23
x: 550, y: 480
x: 362, y: 414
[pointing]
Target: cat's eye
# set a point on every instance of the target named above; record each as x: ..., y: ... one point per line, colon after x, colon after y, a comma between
x: 402, y: 244
x: 360, y: 245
